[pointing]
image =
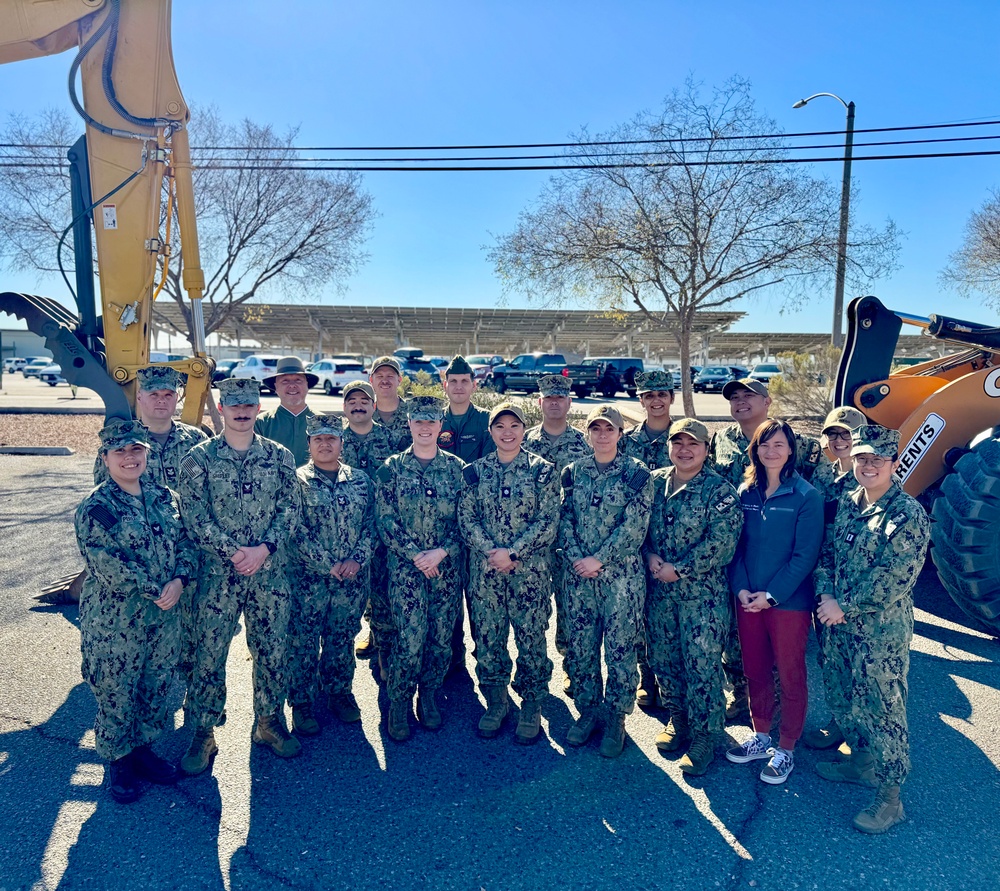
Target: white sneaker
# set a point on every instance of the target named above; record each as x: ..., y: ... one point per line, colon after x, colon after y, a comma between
x: 753, y: 749
x: 776, y: 771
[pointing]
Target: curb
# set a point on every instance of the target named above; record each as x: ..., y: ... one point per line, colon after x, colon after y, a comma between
x: 36, y: 450
x: 46, y: 410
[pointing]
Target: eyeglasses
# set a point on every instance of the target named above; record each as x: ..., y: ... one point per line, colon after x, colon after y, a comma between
x: 838, y: 434
x: 876, y: 462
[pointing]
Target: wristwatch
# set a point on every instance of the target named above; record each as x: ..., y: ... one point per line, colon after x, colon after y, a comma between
x: 512, y: 556
x: 271, y: 547
x: 770, y: 600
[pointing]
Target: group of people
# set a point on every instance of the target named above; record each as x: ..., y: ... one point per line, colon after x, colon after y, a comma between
x: 674, y: 553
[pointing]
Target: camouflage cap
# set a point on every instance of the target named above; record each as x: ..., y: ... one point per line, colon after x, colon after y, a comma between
x: 873, y: 439
x: 119, y: 432
x: 606, y: 413
x: 391, y: 361
x: 239, y: 391
x: 507, y: 408
x: 691, y: 427
x: 555, y: 385
x: 326, y: 424
x: 363, y: 386
x: 744, y: 383
x: 425, y: 408
x: 846, y: 417
x: 649, y: 381
x: 458, y: 365
x: 158, y: 377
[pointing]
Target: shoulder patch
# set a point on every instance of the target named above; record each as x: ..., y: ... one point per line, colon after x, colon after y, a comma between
x: 725, y: 503
x: 190, y: 467
x: 471, y: 475
x: 567, y: 477
x: 384, y: 472
x: 637, y: 479
x: 893, y: 525
x: 100, y: 514
x: 288, y: 459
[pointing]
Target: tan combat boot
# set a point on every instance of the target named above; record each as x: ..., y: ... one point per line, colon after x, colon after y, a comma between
x: 344, y: 707
x: 303, y: 719
x: 200, y: 753
x: 860, y: 770
x: 674, y: 735
x: 367, y: 647
x: 270, y: 731
x: 648, y: 693
x: 699, y: 755
x: 583, y: 727
x: 427, y: 710
x: 497, y: 706
x: 613, y: 741
x: 529, y: 724
x: 398, y: 722
x: 828, y: 737
x: 883, y: 813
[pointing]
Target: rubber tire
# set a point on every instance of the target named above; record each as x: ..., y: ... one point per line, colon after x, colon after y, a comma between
x: 609, y: 394
x: 965, y: 534
x: 328, y: 388
x: 500, y: 385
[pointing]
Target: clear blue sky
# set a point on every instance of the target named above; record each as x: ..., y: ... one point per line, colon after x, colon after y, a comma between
x: 474, y: 73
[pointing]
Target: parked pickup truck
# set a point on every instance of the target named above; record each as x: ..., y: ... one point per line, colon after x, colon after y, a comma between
x: 523, y: 372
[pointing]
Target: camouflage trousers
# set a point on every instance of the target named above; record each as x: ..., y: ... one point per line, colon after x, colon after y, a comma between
x: 865, y: 678
x: 604, y: 610
x: 220, y: 599
x: 379, y: 609
x: 558, y: 590
x: 520, y: 600
x: 130, y: 671
x: 684, y: 640
x: 423, y: 613
x: 324, y: 613
x: 732, y: 653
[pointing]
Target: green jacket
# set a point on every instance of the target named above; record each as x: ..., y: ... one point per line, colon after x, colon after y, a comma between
x: 653, y: 449
x: 468, y: 435
x: 287, y: 429
x: 569, y: 446
x: 367, y: 453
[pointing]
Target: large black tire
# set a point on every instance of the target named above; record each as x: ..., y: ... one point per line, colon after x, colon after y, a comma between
x: 500, y: 385
x: 965, y: 534
x: 328, y: 388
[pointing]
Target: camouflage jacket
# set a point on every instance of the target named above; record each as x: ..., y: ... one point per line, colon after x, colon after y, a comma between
x: 132, y: 545
x: 513, y: 506
x: 416, y: 509
x: 653, y: 449
x: 163, y: 463
x: 696, y: 529
x: 399, y: 429
x: 338, y: 519
x: 367, y: 453
x: 872, y: 555
x: 605, y: 514
x: 569, y: 446
x: 287, y: 429
x: 229, y: 501
x: 730, y: 455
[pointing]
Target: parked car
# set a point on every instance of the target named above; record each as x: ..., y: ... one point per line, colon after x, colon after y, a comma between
x: 34, y: 366
x: 523, y: 372
x: 483, y: 365
x: 764, y: 372
x: 13, y: 364
x: 257, y: 366
x: 334, y: 376
x: 51, y: 374
x: 617, y: 374
x: 411, y: 367
x: 712, y: 378
x: 223, y: 369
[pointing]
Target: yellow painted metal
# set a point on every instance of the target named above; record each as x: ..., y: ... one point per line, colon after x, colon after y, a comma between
x: 33, y: 28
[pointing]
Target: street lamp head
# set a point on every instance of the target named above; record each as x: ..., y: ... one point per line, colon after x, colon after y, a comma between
x: 802, y: 103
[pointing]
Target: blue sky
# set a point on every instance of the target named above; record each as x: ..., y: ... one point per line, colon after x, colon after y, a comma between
x: 477, y: 73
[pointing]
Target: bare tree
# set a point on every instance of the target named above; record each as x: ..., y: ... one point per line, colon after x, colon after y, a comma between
x: 692, y: 211
x: 975, y: 266
x: 805, y: 386
x: 265, y: 225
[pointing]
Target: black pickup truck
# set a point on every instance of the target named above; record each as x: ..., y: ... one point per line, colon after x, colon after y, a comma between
x: 523, y: 372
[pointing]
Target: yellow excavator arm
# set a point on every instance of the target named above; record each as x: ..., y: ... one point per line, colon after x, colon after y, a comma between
x: 137, y: 142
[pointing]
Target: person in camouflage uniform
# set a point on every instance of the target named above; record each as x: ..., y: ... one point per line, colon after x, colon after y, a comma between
x: 557, y: 441
x: 416, y: 497
x: 139, y: 560
x: 728, y: 452
x: 509, y: 514
x: 606, y: 501
x: 333, y: 545
x: 833, y: 479
x: 286, y: 424
x: 366, y: 446
x: 872, y: 556
x: 386, y: 376
x: 693, y: 532
x: 240, y: 502
x: 649, y: 441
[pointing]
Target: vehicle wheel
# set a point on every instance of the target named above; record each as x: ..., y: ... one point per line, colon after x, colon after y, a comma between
x: 632, y: 392
x: 51, y: 383
x: 582, y: 393
x: 609, y: 394
x: 328, y: 388
x: 500, y: 385
x: 965, y: 534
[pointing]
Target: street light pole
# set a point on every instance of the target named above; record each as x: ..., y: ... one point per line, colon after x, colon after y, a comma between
x: 837, y: 338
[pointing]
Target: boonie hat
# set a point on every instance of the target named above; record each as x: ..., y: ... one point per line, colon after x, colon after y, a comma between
x: 507, y: 408
x: 291, y: 365
x: 425, y: 408
x: 649, y: 381
x: 158, y: 377
x: 119, y: 432
x: 391, y: 361
x: 363, y: 386
x: 458, y: 365
x: 692, y: 427
x: 326, y: 424
x: 554, y: 385
x: 606, y: 413
x: 873, y: 439
x: 239, y: 391
x: 744, y: 383
x: 845, y: 417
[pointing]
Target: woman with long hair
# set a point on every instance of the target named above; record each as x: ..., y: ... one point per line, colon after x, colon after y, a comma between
x: 771, y: 578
